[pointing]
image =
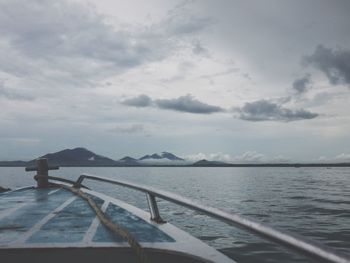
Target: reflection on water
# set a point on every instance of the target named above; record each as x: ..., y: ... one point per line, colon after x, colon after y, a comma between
x: 313, y: 202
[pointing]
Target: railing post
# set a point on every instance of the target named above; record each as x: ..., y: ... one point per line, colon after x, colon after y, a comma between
x: 42, y: 168
x: 153, y: 208
x: 79, y: 181
x: 42, y: 172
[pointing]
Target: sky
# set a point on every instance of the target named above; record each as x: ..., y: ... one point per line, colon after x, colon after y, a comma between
x: 229, y: 80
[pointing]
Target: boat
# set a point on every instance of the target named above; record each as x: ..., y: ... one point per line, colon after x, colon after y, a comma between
x: 59, y: 220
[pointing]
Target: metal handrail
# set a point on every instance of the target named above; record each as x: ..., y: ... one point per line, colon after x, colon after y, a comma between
x: 298, y: 243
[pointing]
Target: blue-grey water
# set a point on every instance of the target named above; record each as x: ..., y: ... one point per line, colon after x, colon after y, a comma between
x: 313, y: 202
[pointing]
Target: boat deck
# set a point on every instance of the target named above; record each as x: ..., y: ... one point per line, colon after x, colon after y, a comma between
x: 33, y: 219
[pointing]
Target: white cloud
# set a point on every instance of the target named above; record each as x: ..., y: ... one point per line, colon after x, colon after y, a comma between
x: 343, y: 157
x: 250, y: 156
x: 246, y: 157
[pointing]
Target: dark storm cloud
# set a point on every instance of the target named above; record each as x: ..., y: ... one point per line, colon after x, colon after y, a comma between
x: 139, y: 101
x: 127, y: 129
x: 261, y: 110
x: 264, y: 110
x: 301, y: 85
x: 335, y: 64
x: 182, y: 104
x: 187, y: 104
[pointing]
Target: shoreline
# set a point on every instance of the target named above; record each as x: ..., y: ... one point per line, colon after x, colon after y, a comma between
x: 293, y: 165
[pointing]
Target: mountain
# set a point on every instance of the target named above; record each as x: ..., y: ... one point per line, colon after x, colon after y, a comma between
x: 154, y: 156
x: 13, y: 163
x: 171, y: 156
x: 164, y: 156
x: 77, y: 157
x: 129, y: 161
x: 206, y: 163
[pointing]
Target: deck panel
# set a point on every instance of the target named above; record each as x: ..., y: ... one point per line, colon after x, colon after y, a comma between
x: 20, y: 221
x: 29, y: 206
x: 68, y: 225
x: 140, y: 229
x: 9, y: 200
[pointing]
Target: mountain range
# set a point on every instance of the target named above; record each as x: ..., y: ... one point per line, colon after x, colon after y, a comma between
x: 85, y: 158
x: 80, y: 156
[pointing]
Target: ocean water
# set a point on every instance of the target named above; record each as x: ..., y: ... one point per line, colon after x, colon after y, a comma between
x: 313, y: 202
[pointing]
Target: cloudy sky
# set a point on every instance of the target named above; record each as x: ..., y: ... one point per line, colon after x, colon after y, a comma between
x: 225, y: 80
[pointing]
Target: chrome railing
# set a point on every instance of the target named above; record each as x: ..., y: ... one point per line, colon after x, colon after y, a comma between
x: 296, y: 242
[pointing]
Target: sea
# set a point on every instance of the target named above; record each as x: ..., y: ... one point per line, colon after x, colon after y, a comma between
x: 312, y: 202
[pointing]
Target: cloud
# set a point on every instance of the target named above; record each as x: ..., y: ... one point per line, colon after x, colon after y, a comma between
x: 139, y: 101
x: 261, y: 110
x: 65, y: 32
x: 343, y: 157
x: 181, y: 20
x: 300, y: 86
x: 264, y: 110
x: 334, y: 63
x: 47, y: 30
x: 182, y: 104
x: 13, y: 94
x: 250, y: 156
x: 246, y: 157
x: 198, y: 49
x: 326, y: 98
x: 128, y: 129
x: 69, y: 44
x: 187, y: 104
x: 183, y: 70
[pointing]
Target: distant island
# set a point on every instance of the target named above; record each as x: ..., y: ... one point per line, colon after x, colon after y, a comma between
x: 82, y: 157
